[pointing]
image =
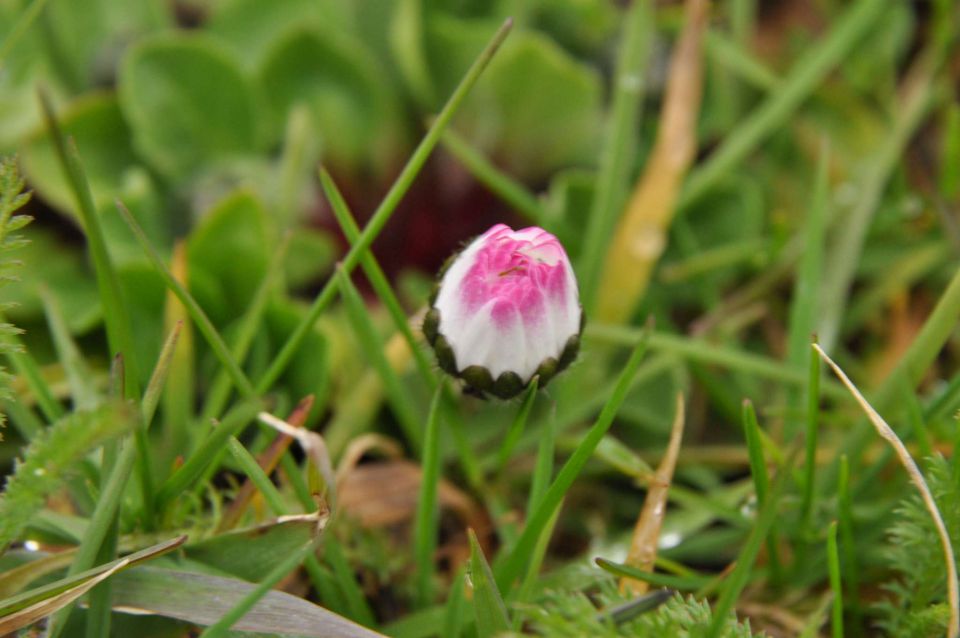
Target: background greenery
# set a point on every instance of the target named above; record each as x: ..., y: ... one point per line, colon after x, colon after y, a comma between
x: 797, y: 162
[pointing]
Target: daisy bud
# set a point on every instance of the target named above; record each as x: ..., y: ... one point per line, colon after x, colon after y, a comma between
x: 507, y: 308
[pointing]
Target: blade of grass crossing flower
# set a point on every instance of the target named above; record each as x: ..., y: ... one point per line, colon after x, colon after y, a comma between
x: 385, y: 209
x: 375, y: 274
x: 199, y: 317
x: 833, y: 565
x: 517, y: 426
x: 514, y: 564
x: 381, y: 286
x: 777, y: 108
x: 916, y: 477
x: 427, y: 518
x: 761, y: 482
x: 247, y: 329
x: 491, y: 613
x: 512, y: 192
x: 370, y: 342
x: 79, y: 377
x: 115, y: 315
x: 221, y: 628
x: 619, y: 145
x: 847, y: 536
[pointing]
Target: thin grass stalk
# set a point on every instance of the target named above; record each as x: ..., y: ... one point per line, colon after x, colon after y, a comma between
x: 383, y: 213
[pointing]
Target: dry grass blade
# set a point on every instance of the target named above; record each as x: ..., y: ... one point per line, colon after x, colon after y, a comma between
x: 315, y: 449
x: 646, y: 533
x: 35, y: 612
x: 268, y: 460
x: 641, y: 234
x: 916, y: 476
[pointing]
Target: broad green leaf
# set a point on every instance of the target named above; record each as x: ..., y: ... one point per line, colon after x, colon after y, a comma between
x: 35, y: 604
x: 534, y: 89
x: 231, y: 246
x: 46, y: 462
x: 251, y: 553
x: 188, y: 104
x: 339, y: 84
x: 203, y: 599
x: 102, y: 135
x: 309, y: 370
x: 250, y: 28
x: 310, y: 255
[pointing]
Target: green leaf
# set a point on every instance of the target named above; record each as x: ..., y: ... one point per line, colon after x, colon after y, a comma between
x: 97, y: 125
x: 250, y: 28
x: 250, y: 553
x: 204, y: 599
x: 533, y: 90
x: 340, y: 85
x: 187, y: 102
x: 232, y: 246
x: 46, y: 462
x: 488, y: 605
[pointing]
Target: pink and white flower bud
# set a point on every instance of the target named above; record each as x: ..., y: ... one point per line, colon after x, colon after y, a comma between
x: 507, y: 308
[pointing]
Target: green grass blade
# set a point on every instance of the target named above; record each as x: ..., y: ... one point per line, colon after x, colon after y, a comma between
x: 354, y: 599
x: 26, y: 366
x: 833, y: 564
x: 115, y: 315
x: 79, y: 377
x: 804, y: 304
x: 616, y: 159
x: 221, y: 628
x: 427, y: 518
x: 158, y: 378
x: 772, y: 114
x: 453, y: 619
x: 846, y: 252
x: 491, y: 613
x: 27, y: 16
x: 383, y: 213
x: 761, y: 482
x: 385, y: 294
x: 543, y: 468
x: 514, y: 564
x: 681, y: 583
x: 256, y: 474
x: 207, y: 452
x: 517, y: 426
x: 847, y: 540
x: 810, y: 441
x: 247, y: 329
x: 199, y: 317
x: 398, y: 398
x: 740, y: 575
x: 512, y: 192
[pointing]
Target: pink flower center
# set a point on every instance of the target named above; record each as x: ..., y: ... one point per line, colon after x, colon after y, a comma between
x: 518, y: 271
